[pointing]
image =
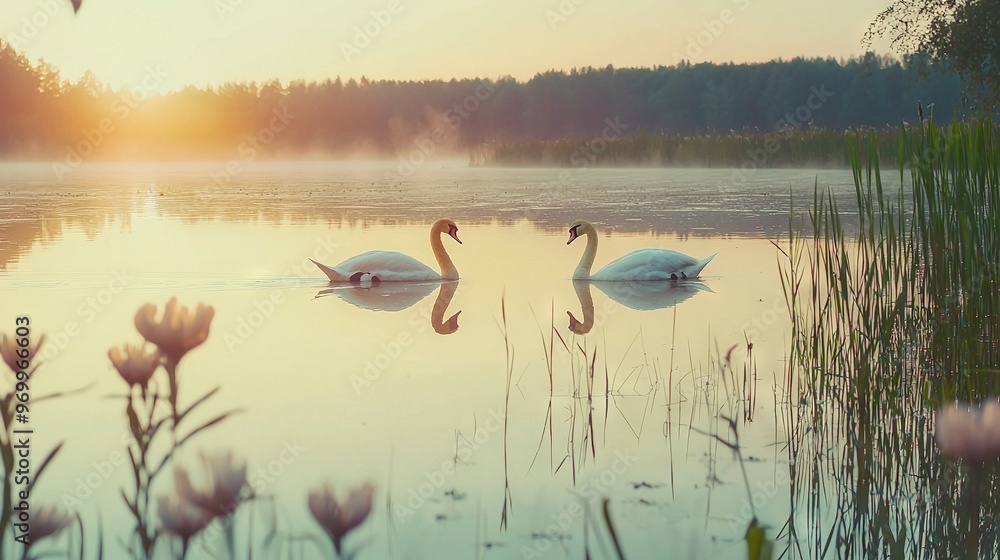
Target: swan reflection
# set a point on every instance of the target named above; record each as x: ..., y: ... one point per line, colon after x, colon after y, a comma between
x: 441, y: 304
x: 381, y: 296
x: 641, y: 296
x: 397, y: 296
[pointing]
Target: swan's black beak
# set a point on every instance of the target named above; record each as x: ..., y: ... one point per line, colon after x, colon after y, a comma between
x: 572, y: 234
x: 453, y: 232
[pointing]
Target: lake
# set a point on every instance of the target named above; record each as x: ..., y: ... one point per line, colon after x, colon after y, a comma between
x: 493, y: 434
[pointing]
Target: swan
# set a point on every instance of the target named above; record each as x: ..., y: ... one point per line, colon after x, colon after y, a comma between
x: 389, y: 266
x: 643, y: 264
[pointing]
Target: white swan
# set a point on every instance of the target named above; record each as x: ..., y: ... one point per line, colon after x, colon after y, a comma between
x: 644, y: 264
x: 390, y: 266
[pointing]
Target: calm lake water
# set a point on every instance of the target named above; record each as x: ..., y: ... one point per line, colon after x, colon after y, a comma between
x: 376, y: 384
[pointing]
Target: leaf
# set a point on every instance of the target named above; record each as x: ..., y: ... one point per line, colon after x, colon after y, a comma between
x: 206, y: 425
x: 128, y: 504
x: 133, y: 423
x: 611, y: 529
x: 79, y: 523
x: 64, y: 393
x: 45, y: 463
x: 204, y: 398
x: 758, y: 545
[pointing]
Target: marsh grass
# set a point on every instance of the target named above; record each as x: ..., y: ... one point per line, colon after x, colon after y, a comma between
x: 798, y: 148
x: 889, y: 321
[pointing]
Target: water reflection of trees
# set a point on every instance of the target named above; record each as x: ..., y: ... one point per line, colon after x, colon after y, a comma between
x: 37, y: 208
x: 41, y: 216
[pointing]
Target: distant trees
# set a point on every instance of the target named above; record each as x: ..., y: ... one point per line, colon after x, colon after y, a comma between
x: 962, y: 33
x: 43, y: 115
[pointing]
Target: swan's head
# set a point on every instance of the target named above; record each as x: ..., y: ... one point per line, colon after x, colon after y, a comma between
x: 449, y: 227
x: 577, y: 229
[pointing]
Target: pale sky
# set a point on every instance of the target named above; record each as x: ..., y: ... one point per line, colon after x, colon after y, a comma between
x: 201, y: 42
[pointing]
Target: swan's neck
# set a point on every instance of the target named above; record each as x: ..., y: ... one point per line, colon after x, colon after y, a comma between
x: 586, y: 305
x: 589, y: 254
x: 448, y: 270
x: 445, y: 294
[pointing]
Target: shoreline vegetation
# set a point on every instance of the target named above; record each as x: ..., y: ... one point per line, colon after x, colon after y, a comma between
x: 808, y: 149
x: 685, y: 114
x: 893, y: 321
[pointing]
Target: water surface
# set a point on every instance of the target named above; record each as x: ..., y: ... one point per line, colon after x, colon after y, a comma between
x: 474, y: 450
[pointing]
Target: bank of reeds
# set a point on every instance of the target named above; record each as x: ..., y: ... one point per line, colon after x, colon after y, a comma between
x: 786, y: 148
x: 891, y: 320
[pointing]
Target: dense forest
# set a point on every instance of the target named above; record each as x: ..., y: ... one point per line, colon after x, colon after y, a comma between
x: 45, y: 116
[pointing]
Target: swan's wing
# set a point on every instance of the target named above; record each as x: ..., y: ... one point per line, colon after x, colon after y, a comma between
x: 651, y: 264
x: 388, y: 266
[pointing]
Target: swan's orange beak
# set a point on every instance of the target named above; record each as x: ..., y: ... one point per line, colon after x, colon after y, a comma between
x: 572, y: 235
x: 453, y: 232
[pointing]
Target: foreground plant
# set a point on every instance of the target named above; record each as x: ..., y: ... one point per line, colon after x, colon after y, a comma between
x: 893, y: 306
x: 220, y: 492
x: 175, y: 334
x: 20, y: 353
x: 971, y: 434
x: 338, y: 518
x: 46, y: 522
x: 194, y: 505
x: 182, y: 519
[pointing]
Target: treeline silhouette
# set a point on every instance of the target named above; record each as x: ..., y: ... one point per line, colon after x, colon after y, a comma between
x: 43, y: 116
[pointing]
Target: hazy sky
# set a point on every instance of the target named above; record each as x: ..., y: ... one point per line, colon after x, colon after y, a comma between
x: 180, y: 42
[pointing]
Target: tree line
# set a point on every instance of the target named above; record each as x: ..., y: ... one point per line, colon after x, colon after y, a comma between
x: 43, y: 115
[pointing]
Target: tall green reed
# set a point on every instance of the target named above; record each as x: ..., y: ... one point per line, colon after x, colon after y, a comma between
x: 894, y: 311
